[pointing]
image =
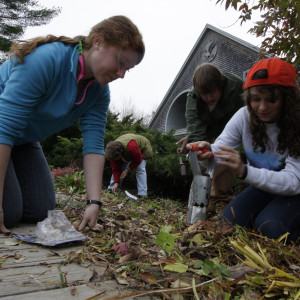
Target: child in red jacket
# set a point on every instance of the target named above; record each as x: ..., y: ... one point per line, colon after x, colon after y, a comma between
x: 126, y: 153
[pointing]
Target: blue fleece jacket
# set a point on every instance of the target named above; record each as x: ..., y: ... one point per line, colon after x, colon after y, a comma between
x: 38, y: 98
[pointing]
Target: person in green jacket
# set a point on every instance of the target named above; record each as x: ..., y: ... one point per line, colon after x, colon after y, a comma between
x: 214, y: 99
x: 129, y: 151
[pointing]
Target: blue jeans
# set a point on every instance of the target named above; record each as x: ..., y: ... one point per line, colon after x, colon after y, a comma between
x: 141, y: 178
x: 28, y: 187
x: 269, y: 214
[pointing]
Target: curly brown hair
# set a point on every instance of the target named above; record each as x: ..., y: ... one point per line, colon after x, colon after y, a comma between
x: 118, y: 31
x: 289, y: 125
x: 114, y: 150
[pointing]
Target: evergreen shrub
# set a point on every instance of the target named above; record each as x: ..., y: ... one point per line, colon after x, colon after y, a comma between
x: 163, y: 170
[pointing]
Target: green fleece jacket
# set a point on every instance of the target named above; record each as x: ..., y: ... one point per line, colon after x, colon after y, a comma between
x: 206, y: 125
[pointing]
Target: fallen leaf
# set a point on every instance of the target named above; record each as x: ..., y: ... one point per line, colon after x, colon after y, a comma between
x: 94, y: 277
x: 121, y: 281
x: 76, y: 223
x: 138, y: 251
x: 121, y: 217
x: 240, y: 271
x: 97, y: 227
x: 20, y: 259
x: 176, y: 297
x: 180, y: 283
x: 294, y: 267
x: 74, y: 292
x: 11, y: 243
x: 122, y: 248
x: 165, y: 241
x: 122, y: 236
x: 199, y: 239
x: 126, y: 257
x: 154, y: 249
x: 177, y: 267
x: 148, y: 277
x: 166, y: 228
x: 194, y: 226
x: 53, y: 253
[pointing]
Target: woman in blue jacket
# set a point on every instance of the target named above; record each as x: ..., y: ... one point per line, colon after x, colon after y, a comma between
x: 49, y: 83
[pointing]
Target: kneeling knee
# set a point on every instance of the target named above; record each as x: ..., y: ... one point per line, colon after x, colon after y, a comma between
x: 270, y: 228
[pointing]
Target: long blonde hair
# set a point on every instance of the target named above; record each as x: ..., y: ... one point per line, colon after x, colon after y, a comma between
x: 118, y: 31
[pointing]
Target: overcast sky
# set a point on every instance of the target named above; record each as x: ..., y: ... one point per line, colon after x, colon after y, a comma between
x: 170, y: 29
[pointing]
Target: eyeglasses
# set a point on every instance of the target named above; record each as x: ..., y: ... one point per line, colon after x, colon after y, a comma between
x: 122, y: 65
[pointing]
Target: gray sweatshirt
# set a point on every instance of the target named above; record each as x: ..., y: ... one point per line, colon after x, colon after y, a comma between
x: 269, y: 171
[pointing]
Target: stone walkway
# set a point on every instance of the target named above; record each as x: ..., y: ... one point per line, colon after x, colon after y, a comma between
x: 30, y: 271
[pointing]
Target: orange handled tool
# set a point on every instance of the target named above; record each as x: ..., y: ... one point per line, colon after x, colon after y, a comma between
x: 203, y: 150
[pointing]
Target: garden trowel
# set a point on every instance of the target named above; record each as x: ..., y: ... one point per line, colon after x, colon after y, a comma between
x: 200, y: 188
x: 130, y: 196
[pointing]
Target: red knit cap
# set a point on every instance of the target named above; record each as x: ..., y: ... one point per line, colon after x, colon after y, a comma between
x: 279, y: 73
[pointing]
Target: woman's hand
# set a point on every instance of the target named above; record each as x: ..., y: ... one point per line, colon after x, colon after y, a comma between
x: 90, y: 217
x: 230, y: 158
x: 3, y: 229
x: 200, y: 154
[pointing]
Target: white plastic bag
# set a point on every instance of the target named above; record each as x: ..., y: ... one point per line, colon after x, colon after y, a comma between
x: 56, y: 228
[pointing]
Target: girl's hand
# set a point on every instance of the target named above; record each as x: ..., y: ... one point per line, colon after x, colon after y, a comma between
x: 201, y: 155
x: 90, y: 217
x: 230, y: 158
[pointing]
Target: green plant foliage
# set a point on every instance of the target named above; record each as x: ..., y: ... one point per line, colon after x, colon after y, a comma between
x: 64, y: 148
x: 198, y: 264
x: 208, y: 267
x: 165, y: 241
x: 17, y: 15
x: 128, y: 124
x: 69, y: 182
x: 62, y: 278
x: 163, y: 170
x: 66, y: 152
x: 166, y: 228
x: 176, y: 267
x: 279, y: 25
